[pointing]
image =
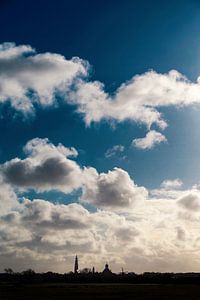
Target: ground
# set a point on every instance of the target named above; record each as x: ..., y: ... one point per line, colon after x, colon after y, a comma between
x: 99, y: 291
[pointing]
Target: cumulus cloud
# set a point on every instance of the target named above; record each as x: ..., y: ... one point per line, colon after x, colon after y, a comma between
x: 137, y: 99
x: 8, y: 198
x: 171, y: 184
x: 116, y: 149
x: 46, y: 236
x: 151, y: 139
x: 129, y: 221
x: 43, y: 227
x: 40, y: 230
x: 191, y: 202
x: 114, y: 189
x: 27, y: 77
x: 47, y: 167
x: 181, y: 234
x: 50, y: 216
x: 95, y: 105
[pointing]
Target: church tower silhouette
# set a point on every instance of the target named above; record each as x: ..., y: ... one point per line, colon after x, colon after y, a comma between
x: 76, y: 265
x: 107, y: 271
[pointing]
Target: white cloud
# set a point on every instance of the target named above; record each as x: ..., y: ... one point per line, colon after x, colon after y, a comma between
x: 47, y: 167
x: 191, y: 201
x: 151, y: 139
x: 130, y: 221
x: 27, y: 77
x: 114, y: 190
x: 181, y: 234
x: 48, y: 215
x: 40, y: 230
x: 46, y: 236
x: 171, y: 184
x: 10, y: 50
x: 137, y: 99
x: 8, y: 198
x: 96, y: 105
x: 163, y: 193
x: 116, y: 149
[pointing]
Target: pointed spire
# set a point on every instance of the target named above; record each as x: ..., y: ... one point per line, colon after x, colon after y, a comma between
x: 76, y: 265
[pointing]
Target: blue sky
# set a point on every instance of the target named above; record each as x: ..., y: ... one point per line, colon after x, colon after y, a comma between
x: 120, y: 43
x: 119, y: 40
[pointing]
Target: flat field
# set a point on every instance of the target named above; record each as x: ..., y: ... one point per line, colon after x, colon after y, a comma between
x: 98, y: 291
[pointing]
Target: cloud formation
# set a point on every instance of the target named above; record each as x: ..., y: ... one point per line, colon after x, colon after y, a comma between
x: 191, y: 202
x: 8, y: 198
x: 126, y: 220
x: 95, y: 105
x: 151, y: 139
x: 45, y: 235
x: 155, y: 230
x: 47, y: 167
x: 114, y: 189
x: 116, y: 149
x: 171, y: 184
x: 27, y: 77
x: 137, y: 99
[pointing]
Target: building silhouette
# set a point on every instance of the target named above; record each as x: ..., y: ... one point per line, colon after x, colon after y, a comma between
x: 76, y: 265
x: 106, y: 271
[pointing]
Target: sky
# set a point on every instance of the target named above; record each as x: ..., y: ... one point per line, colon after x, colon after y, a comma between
x: 100, y: 140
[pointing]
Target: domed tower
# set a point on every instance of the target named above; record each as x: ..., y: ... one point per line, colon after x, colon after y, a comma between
x: 106, y: 271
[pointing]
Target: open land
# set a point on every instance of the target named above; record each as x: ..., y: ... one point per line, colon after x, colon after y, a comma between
x: 99, y: 291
